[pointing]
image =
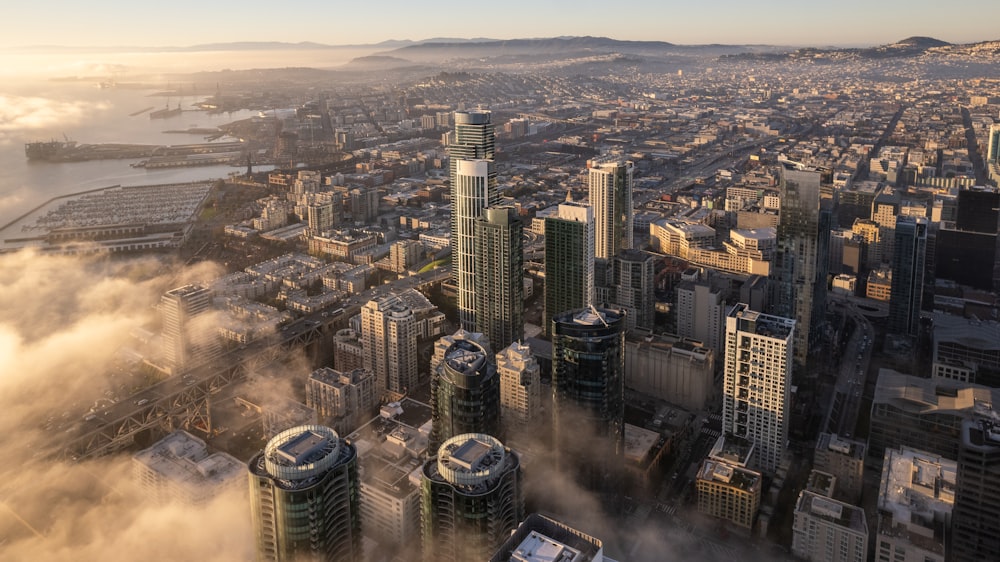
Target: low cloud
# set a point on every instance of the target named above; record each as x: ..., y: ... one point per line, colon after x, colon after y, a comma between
x: 34, y: 113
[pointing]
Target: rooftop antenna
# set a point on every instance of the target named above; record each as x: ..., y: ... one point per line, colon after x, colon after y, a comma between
x: 596, y: 313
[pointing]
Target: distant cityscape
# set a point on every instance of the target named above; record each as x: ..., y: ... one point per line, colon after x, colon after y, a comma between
x: 734, y: 302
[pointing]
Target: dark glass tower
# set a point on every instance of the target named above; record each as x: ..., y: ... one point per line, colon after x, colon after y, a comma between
x: 470, y: 498
x: 569, y: 261
x: 465, y: 393
x: 304, y: 498
x: 907, y: 287
x: 499, y: 279
x: 588, y: 401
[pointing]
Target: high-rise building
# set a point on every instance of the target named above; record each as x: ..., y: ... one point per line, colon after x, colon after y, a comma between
x: 975, y: 524
x: 471, y: 148
x: 826, y: 530
x: 757, y: 386
x: 465, y: 393
x: 342, y: 399
x: 471, y: 498
x: 908, y: 259
x: 190, y: 337
x: 701, y: 312
x: 993, y: 145
x: 304, y: 497
x: 588, y: 394
x: 611, y: 199
x: 520, y: 386
x: 885, y: 209
x: 569, y: 261
x: 795, y: 270
x: 499, y: 281
x: 632, y: 279
x: 844, y: 459
x: 681, y: 372
x: 389, y: 335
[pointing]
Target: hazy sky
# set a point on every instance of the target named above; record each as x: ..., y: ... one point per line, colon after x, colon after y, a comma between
x: 779, y: 22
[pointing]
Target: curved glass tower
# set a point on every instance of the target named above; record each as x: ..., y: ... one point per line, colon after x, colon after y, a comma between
x: 465, y: 393
x: 471, y: 498
x: 304, y: 495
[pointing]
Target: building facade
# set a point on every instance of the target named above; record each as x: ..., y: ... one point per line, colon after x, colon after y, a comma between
x: 520, y: 387
x: 611, y: 199
x: 826, y: 530
x: 465, y: 393
x: 389, y: 334
x: 190, y: 336
x: 908, y: 264
x: 756, y: 385
x: 569, y: 261
x: 499, y: 281
x: 975, y: 525
x: 304, y: 497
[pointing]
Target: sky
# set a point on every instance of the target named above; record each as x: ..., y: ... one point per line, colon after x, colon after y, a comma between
x: 103, y: 23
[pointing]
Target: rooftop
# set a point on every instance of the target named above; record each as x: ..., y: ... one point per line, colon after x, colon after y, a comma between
x: 762, y: 324
x: 732, y: 475
x: 838, y: 513
x: 184, y: 460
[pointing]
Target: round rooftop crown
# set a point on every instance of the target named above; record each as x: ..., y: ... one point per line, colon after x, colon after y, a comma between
x: 465, y: 356
x: 471, y: 459
x: 302, y: 452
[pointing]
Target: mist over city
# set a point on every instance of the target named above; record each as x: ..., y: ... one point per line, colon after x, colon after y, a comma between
x: 699, y: 284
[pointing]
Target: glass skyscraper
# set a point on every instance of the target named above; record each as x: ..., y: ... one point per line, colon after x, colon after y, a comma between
x: 465, y: 393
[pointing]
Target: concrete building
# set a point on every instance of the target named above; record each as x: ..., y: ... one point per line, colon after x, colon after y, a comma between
x: 542, y: 539
x: 828, y: 530
x: 701, y: 313
x: 915, y: 501
x: 389, y: 335
x: 520, y: 387
x: 342, y: 399
x: 631, y: 287
x: 975, y: 526
x: 727, y: 489
x: 471, y: 498
x: 179, y: 468
x: 190, y: 336
x: 966, y: 350
x: 471, y: 147
x: 611, y: 198
x: 304, y: 497
x: 757, y: 382
x: 465, y: 393
x: 678, y: 371
x: 499, y: 278
x: 569, y: 261
x: 845, y: 459
x: 404, y: 254
x: 588, y: 394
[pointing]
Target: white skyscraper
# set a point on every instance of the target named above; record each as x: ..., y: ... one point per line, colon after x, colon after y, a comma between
x: 473, y: 188
x: 520, y: 386
x: 757, y: 385
x: 190, y: 333
x: 389, y: 336
x: 611, y: 198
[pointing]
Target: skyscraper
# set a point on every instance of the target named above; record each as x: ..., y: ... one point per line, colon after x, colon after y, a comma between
x: 569, y: 260
x: 471, y: 498
x: 471, y: 147
x: 907, y: 287
x: 993, y: 145
x: 975, y: 522
x: 795, y: 270
x: 632, y: 278
x: 588, y: 394
x: 499, y: 282
x: 756, y: 385
x: 304, y: 497
x: 465, y: 393
x: 190, y: 337
x: 611, y: 198
x: 389, y: 335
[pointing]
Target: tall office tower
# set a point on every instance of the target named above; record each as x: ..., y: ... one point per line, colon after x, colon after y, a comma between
x: 701, y: 313
x: 471, y: 498
x: 499, y: 281
x: 757, y: 385
x: 907, y: 287
x: 588, y: 395
x: 611, y: 199
x: 520, y: 386
x: 993, y: 145
x: 795, y: 267
x: 190, y: 336
x: 304, y: 490
x: 978, y: 209
x: 569, y: 261
x: 632, y: 278
x: 465, y: 393
x: 471, y: 148
x: 975, y: 521
x: 389, y: 335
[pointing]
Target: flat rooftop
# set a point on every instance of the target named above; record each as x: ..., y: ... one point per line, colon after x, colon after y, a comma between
x: 537, y: 547
x: 299, y: 449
